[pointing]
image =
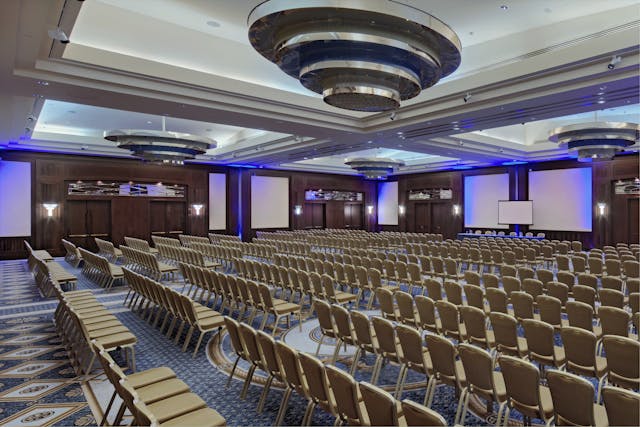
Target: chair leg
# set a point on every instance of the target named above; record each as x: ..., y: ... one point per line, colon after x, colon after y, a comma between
x: 247, y: 382
x: 308, y: 413
x: 354, y: 365
x: 233, y: 369
x: 319, y: 345
x: 265, y: 392
x: 187, y: 338
x: 402, y: 377
x: 283, y: 407
x: 108, y: 408
x: 336, y: 352
x: 377, y: 367
x: 195, y: 351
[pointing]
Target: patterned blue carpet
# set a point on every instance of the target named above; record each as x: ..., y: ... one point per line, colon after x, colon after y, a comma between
x: 206, y: 374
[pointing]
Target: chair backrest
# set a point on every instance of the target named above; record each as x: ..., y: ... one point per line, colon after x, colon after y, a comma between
x: 426, y: 311
x: 478, y: 368
x: 580, y: 315
x: 267, y: 347
x: 522, y: 305
x: 411, y: 344
x: 347, y: 396
x: 521, y: 379
x: 385, y: 298
x: 511, y: 284
x: 550, y: 309
x: 381, y: 406
x: 290, y: 365
x: 386, y: 336
x: 443, y: 357
x: 474, y: 321
x: 572, y: 398
x: 250, y: 342
x: 419, y: 415
x: 233, y: 328
x: 315, y: 376
x: 323, y: 310
x: 362, y: 328
x: 614, y: 321
x: 405, y: 307
x: 454, y: 292
x: 579, y: 347
x: 623, y: 361
x: 539, y: 337
x: 449, y: 316
x: 505, y: 328
x: 497, y: 300
x: 434, y: 289
x: 622, y: 406
x: 342, y: 321
x: 491, y: 280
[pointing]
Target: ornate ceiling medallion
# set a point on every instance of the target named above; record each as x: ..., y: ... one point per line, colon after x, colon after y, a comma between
x: 597, y: 140
x: 374, y: 167
x: 363, y: 56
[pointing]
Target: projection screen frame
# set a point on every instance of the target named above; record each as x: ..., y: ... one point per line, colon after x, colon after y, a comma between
x: 516, y: 201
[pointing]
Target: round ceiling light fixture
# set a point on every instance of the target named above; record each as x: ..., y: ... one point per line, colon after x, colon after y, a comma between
x: 160, y: 145
x: 362, y: 56
x: 374, y: 167
x: 597, y: 140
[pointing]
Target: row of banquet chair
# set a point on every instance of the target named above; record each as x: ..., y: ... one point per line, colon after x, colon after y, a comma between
x: 140, y: 245
x: 146, y: 263
x: 155, y: 299
x: 154, y: 397
x: 401, y: 344
x: 324, y: 386
x: 46, y: 273
x: 80, y: 320
x: 98, y: 269
x: 72, y: 254
x: 176, y: 254
x: 236, y: 293
x: 107, y: 249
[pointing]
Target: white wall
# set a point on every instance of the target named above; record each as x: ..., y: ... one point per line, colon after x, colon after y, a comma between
x: 269, y: 202
x: 217, y: 201
x: 388, y: 203
x: 15, y: 199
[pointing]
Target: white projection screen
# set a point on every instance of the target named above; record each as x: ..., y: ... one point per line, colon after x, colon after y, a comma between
x: 269, y: 202
x: 562, y: 199
x: 515, y: 212
x: 481, y: 195
x: 217, y: 201
x: 388, y: 203
x: 15, y: 199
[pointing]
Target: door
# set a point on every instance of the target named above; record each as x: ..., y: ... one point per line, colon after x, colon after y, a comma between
x: 168, y: 218
x: 633, y: 217
x: 87, y: 219
x: 353, y: 216
x: 422, y: 218
x: 314, y: 214
x: 441, y: 218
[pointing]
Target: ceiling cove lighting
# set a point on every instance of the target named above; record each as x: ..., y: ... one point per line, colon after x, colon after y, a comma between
x: 161, y: 145
x: 597, y: 140
x: 374, y: 167
x: 362, y: 56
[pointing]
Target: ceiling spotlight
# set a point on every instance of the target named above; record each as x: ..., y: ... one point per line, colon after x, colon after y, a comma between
x: 393, y: 115
x: 615, y: 60
x: 58, y: 34
x: 467, y: 97
x: 362, y: 56
x: 504, y: 7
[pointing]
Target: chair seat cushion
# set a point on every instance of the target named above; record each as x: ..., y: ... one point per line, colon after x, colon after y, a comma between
x: 176, y: 406
x: 205, y: 417
x: 150, y: 376
x: 162, y: 390
x: 117, y: 340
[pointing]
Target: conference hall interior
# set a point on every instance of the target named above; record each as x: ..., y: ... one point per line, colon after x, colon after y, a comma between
x: 319, y: 212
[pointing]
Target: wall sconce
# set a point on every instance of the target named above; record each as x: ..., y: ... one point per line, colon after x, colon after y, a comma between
x: 401, y: 209
x: 297, y: 210
x: 197, y: 208
x: 456, y: 210
x: 601, y: 208
x: 370, y: 209
x: 50, y: 207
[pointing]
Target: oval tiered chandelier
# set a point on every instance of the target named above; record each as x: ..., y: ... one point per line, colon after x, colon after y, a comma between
x: 374, y: 167
x: 597, y: 140
x: 161, y: 145
x: 363, y: 56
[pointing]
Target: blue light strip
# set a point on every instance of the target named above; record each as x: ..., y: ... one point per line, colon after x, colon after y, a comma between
x: 239, y: 226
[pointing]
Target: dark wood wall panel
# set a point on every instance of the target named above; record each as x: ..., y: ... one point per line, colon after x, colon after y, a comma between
x: 140, y: 217
x: 126, y: 215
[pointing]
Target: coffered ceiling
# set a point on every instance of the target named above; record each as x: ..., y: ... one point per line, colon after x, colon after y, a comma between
x: 525, y: 70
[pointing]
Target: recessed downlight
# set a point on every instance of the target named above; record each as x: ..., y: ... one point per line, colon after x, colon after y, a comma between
x: 213, y: 24
x: 504, y: 7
